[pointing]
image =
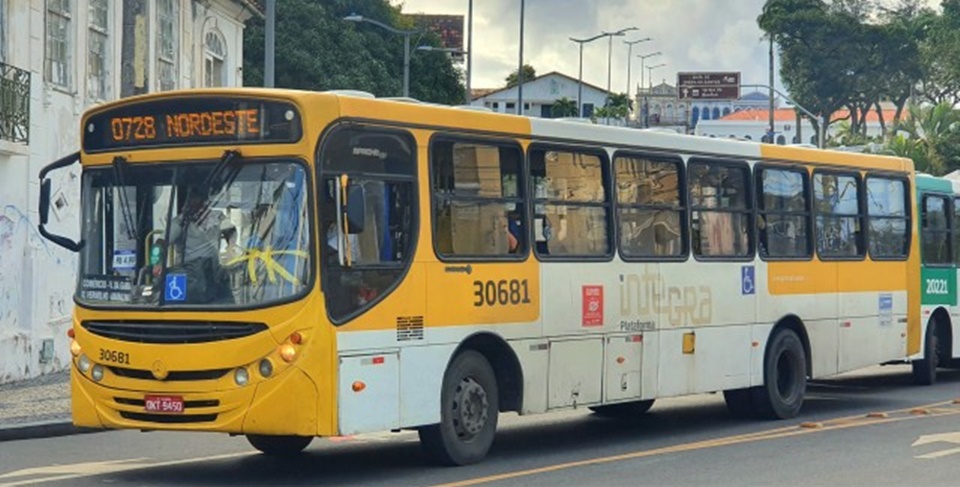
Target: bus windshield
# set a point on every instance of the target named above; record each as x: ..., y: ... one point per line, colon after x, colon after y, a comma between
x: 238, y: 234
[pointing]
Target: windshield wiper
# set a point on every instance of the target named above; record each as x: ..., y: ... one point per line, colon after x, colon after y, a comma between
x: 222, y: 175
x: 129, y: 221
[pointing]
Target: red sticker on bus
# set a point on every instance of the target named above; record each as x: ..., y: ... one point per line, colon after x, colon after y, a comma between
x: 592, y: 305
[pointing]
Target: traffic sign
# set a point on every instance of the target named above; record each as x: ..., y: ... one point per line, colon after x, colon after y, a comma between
x: 709, y: 86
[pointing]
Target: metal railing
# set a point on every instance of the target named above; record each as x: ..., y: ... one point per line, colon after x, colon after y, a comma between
x: 14, y: 104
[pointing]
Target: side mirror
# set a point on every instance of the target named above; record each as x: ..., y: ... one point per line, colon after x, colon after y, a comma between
x: 44, y: 203
x: 356, y: 209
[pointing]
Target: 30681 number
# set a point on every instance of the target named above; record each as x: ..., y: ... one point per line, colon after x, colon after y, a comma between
x: 114, y: 356
x: 501, y: 293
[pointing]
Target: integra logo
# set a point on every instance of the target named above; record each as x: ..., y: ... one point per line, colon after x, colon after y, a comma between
x: 369, y: 152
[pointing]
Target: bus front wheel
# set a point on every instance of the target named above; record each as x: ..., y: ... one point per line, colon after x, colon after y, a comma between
x: 469, y: 405
x: 279, y: 445
x: 925, y: 369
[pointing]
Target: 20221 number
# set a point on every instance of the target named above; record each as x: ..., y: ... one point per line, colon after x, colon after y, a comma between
x: 501, y: 293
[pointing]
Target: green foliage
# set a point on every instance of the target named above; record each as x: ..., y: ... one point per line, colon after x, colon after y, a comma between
x: 847, y: 53
x: 564, y: 107
x: 317, y: 50
x: 930, y: 135
x: 528, y: 74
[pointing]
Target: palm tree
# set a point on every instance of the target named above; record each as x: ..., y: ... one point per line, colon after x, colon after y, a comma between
x: 619, y: 105
x: 935, y: 135
x: 564, y: 107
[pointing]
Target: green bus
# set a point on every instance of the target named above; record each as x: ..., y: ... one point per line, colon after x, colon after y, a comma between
x: 938, y: 201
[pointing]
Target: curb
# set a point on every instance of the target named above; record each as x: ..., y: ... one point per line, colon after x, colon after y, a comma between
x: 46, y: 429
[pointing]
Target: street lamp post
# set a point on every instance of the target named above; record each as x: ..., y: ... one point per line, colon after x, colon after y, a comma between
x: 469, y: 94
x: 643, y: 57
x: 610, y: 35
x: 630, y: 58
x: 650, y: 69
x: 520, y: 80
x: 580, y: 78
x: 406, y: 45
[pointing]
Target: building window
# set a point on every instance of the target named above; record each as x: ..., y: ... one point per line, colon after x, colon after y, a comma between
x: 215, y: 58
x: 936, y: 230
x: 571, y: 203
x: 887, y: 218
x: 839, y: 219
x: 478, y: 199
x: 651, y: 212
x: 587, y: 110
x: 97, y: 42
x: 57, y: 63
x: 167, y: 44
x: 783, y: 222
x: 720, y: 209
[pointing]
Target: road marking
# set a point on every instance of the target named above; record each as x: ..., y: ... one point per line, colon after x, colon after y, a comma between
x: 939, y: 438
x: 56, y: 473
x: 860, y: 420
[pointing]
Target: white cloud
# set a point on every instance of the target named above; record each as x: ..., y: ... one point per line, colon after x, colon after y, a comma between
x: 693, y: 35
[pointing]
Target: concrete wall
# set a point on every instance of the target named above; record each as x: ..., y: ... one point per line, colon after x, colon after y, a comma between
x: 37, y: 278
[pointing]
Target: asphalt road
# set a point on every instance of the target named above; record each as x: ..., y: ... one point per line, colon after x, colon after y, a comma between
x: 871, y: 428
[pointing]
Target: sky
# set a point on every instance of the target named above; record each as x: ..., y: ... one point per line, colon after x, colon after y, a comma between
x: 692, y: 35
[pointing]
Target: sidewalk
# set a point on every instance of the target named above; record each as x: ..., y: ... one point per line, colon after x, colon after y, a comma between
x: 36, y: 408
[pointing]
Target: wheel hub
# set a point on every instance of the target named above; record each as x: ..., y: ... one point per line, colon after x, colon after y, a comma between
x: 470, y: 406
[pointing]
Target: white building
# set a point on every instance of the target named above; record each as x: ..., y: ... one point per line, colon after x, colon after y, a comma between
x: 754, y: 124
x: 58, y: 58
x: 540, y: 93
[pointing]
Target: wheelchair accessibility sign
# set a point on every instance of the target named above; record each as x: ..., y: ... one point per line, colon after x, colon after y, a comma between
x: 175, y: 288
x: 748, y: 284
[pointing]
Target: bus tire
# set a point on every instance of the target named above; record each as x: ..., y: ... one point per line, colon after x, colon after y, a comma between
x: 785, y: 378
x: 469, y: 408
x: 740, y: 402
x: 280, y: 446
x: 925, y: 369
x: 624, y: 409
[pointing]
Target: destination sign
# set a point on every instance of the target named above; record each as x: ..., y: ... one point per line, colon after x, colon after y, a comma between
x: 708, y: 86
x: 192, y: 121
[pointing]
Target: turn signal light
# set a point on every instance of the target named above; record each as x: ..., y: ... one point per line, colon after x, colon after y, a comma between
x: 74, y: 348
x: 358, y: 386
x: 296, y: 338
x: 70, y: 333
x: 288, y: 352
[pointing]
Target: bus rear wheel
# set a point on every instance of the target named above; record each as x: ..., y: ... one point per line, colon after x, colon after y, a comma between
x: 785, y: 378
x: 624, y: 409
x: 469, y: 408
x: 279, y: 446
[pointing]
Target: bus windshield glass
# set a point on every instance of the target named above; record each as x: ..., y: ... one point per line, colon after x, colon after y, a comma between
x: 229, y: 234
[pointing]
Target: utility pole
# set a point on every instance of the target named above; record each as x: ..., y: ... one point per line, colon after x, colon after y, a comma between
x: 270, y: 39
x: 133, y: 53
x: 469, y: 97
x: 520, y: 80
x: 772, y: 104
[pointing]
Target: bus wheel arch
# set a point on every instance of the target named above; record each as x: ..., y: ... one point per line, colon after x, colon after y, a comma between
x: 505, y: 365
x: 793, y: 322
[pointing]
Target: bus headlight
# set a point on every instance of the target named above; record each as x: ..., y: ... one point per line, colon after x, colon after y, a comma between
x: 83, y: 363
x: 74, y: 348
x: 266, y: 368
x: 288, y: 352
x: 241, y: 376
x: 97, y: 373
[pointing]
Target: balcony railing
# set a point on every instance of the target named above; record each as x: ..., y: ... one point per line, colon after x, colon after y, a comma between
x: 14, y: 104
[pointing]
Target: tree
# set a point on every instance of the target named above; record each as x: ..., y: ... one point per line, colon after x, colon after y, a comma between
x: 528, y: 74
x: 619, y: 105
x: 564, y: 107
x: 932, y: 138
x: 317, y: 50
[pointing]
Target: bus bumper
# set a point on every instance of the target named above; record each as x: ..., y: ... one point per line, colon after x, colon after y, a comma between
x: 284, y: 405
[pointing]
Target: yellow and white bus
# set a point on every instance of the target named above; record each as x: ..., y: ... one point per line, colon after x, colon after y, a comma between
x: 286, y: 265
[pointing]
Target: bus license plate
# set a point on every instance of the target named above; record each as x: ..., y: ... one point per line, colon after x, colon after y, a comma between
x: 163, y: 404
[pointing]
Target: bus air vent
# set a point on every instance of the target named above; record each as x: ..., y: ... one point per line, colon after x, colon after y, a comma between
x: 173, y: 375
x: 172, y: 331
x: 409, y: 328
